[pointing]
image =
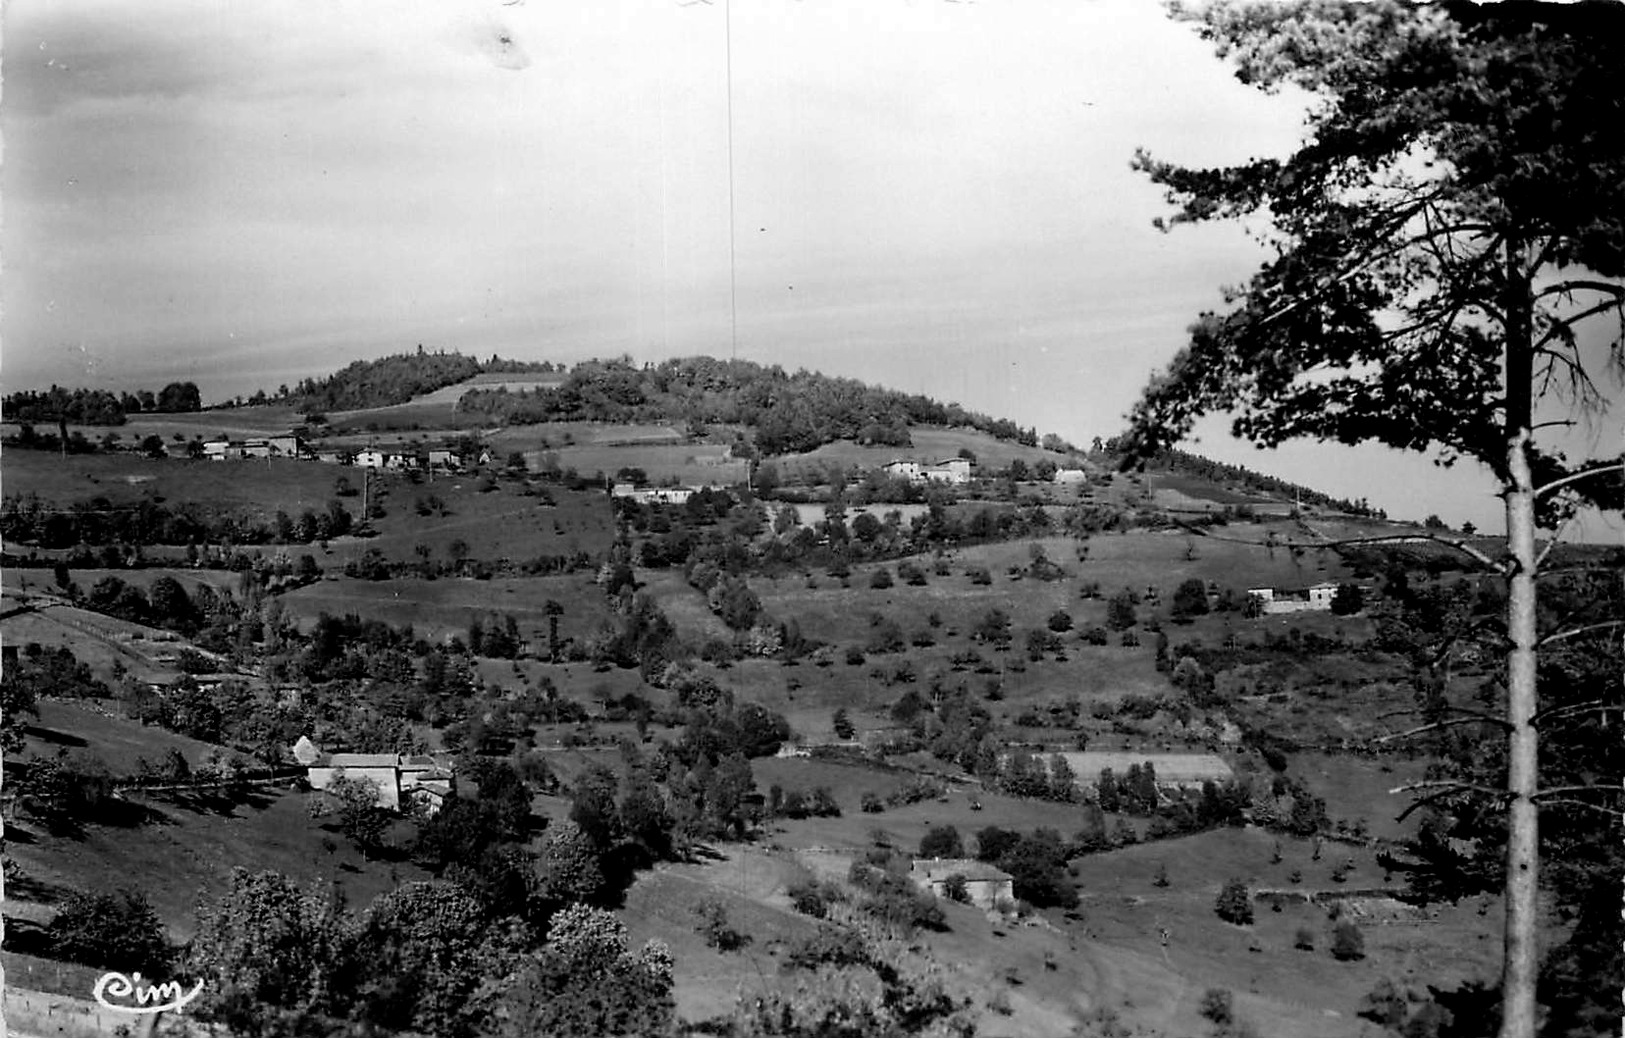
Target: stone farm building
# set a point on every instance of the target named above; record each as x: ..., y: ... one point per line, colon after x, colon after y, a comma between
x: 948, y: 470
x: 400, y: 779
x: 1184, y: 770
x: 985, y: 884
x: 242, y: 450
x: 1315, y: 599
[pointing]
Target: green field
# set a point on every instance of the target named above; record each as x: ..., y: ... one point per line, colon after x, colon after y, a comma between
x: 99, y: 728
x: 260, y: 487
x: 438, y: 609
x: 191, y: 849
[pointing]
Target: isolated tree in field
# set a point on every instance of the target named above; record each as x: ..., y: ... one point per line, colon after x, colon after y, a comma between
x: 553, y: 610
x: 843, y: 724
x: 1190, y: 600
x: 1348, y: 943
x: 1235, y: 904
x: 942, y: 841
x: 1120, y: 615
x: 1446, y: 278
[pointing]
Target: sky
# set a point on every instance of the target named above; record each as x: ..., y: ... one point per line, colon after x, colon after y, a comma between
x: 934, y: 195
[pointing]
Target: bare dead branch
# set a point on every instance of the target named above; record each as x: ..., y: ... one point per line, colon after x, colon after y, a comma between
x: 1438, y: 725
x: 1422, y: 802
x: 1563, y: 790
x: 1591, y: 706
x: 1578, y: 632
x: 1557, y: 536
x: 1573, y: 285
x: 1568, y: 802
x: 1564, y: 325
x: 1575, y: 477
x: 1448, y: 786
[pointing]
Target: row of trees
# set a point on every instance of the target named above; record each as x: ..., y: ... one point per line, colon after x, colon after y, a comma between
x: 81, y: 406
x: 29, y: 519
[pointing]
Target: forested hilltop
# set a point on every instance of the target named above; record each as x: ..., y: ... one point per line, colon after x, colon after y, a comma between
x: 790, y: 412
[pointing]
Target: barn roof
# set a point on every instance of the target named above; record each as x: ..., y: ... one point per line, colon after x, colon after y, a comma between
x: 970, y: 868
x: 360, y: 760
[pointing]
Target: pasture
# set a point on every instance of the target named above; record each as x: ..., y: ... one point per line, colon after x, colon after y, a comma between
x: 931, y: 443
x: 441, y: 609
x: 98, y: 727
x: 258, y: 487
x: 190, y: 844
x: 103, y: 643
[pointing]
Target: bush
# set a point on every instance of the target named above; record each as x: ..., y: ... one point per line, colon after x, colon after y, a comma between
x: 112, y: 931
x: 814, y: 898
x: 1219, y: 1006
x: 714, y: 925
x: 872, y: 804
x: 1305, y: 939
x: 1235, y: 904
x: 1348, y: 943
x: 956, y: 889
x: 831, y: 946
x: 881, y: 579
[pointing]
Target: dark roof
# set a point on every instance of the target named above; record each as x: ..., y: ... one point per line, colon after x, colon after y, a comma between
x: 970, y: 868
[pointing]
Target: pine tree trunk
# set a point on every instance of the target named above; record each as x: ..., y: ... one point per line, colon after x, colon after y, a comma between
x: 1523, y: 822
x: 1523, y: 863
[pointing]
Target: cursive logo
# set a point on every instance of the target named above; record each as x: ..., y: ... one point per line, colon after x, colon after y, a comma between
x: 147, y: 997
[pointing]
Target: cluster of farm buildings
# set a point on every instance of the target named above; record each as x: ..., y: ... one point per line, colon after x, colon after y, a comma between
x: 290, y: 446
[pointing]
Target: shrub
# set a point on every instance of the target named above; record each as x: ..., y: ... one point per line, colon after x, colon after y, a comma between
x: 1305, y: 939
x: 956, y: 889
x: 830, y: 946
x: 717, y: 930
x: 1235, y: 904
x: 814, y: 898
x: 114, y: 931
x: 872, y: 804
x: 881, y: 579
x: 1218, y: 1006
x: 1348, y: 943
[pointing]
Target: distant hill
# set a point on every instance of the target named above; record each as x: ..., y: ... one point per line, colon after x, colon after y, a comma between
x: 789, y: 413
x: 1242, y: 478
x: 782, y: 413
x: 392, y: 380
